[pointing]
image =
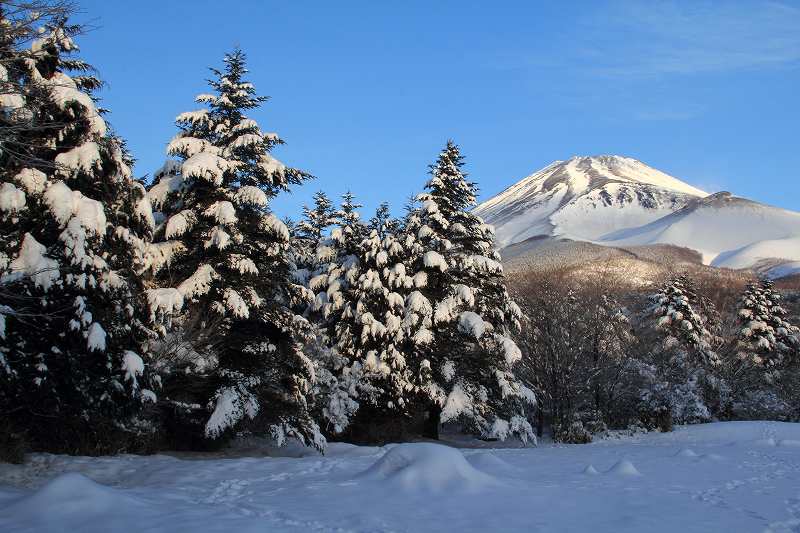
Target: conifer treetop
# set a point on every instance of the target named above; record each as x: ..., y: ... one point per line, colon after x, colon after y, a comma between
x: 448, y: 184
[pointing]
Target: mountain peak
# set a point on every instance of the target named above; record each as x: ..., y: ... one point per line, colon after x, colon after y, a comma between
x: 619, y: 201
x: 550, y: 201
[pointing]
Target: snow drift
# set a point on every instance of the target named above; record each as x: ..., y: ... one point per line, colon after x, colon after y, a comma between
x: 745, y: 478
x: 71, y: 502
x: 424, y: 466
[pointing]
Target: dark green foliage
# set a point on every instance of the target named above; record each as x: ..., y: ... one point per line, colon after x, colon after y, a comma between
x: 232, y: 261
x: 73, y: 343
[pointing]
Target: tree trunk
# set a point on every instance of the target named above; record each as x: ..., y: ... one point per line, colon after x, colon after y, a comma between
x: 430, y: 428
x: 539, y: 422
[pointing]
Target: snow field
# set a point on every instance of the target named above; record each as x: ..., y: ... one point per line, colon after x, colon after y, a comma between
x: 734, y: 476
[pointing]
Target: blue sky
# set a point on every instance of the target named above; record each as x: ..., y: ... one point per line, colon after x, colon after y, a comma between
x: 366, y: 93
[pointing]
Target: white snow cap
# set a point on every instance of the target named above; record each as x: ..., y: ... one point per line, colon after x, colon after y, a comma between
x: 179, y: 223
x: 165, y: 301
x: 65, y: 92
x: 32, y: 262
x: 96, y: 338
x: 32, y: 180
x: 510, y: 350
x: 252, y: 195
x: 230, y: 407
x: 222, y: 212
x: 236, y: 304
x: 12, y: 199
x: 198, y: 283
x: 85, y: 157
x: 133, y: 366
x: 472, y: 324
x: 207, y: 166
x: 64, y: 204
x: 433, y: 259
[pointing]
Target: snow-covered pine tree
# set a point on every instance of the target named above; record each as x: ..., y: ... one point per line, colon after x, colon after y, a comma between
x: 232, y: 266
x: 383, y: 222
x: 766, y: 336
x: 317, y: 220
x: 308, y: 236
x: 470, y: 350
x: 676, y: 308
x: 310, y: 231
x: 73, y: 227
x: 679, y: 370
x: 372, y: 334
x: 362, y: 303
x: 333, y: 404
x: 337, y: 260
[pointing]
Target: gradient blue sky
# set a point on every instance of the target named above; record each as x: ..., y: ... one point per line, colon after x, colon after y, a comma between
x: 366, y: 93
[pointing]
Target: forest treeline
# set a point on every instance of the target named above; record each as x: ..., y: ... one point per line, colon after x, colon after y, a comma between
x: 178, y: 312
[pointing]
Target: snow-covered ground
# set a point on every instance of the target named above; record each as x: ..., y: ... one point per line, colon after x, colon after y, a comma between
x: 735, y: 476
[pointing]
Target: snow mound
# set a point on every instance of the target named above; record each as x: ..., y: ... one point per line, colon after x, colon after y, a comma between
x: 345, y: 449
x: 766, y: 442
x: 424, y: 466
x: 590, y: 470
x: 686, y: 452
x: 624, y: 467
x: 491, y: 464
x: 71, y: 499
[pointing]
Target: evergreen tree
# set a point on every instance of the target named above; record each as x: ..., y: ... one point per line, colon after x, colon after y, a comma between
x: 337, y: 267
x: 338, y: 259
x: 317, y: 220
x: 333, y: 402
x: 228, y: 259
x: 766, y: 337
x: 365, y: 304
x: 681, y: 368
x: 411, y: 205
x: 471, y: 352
x: 676, y: 306
x: 73, y: 227
x: 382, y: 222
x: 308, y: 236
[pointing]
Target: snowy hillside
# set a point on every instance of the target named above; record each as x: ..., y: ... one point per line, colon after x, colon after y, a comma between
x: 731, y: 476
x: 584, y: 198
x: 728, y: 231
x: 618, y: 201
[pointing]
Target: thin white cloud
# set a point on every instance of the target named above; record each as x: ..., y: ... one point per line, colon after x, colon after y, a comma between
x: 660, y: 38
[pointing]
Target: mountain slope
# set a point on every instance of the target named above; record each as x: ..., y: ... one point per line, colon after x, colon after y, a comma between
x: 728, y: 231
x: 585, y: 198
x: 620, y: 202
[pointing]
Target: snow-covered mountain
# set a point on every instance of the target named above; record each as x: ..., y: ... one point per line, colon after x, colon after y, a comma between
x: 585, y: 198
x: 618, y: 201
x: 728, y: 231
